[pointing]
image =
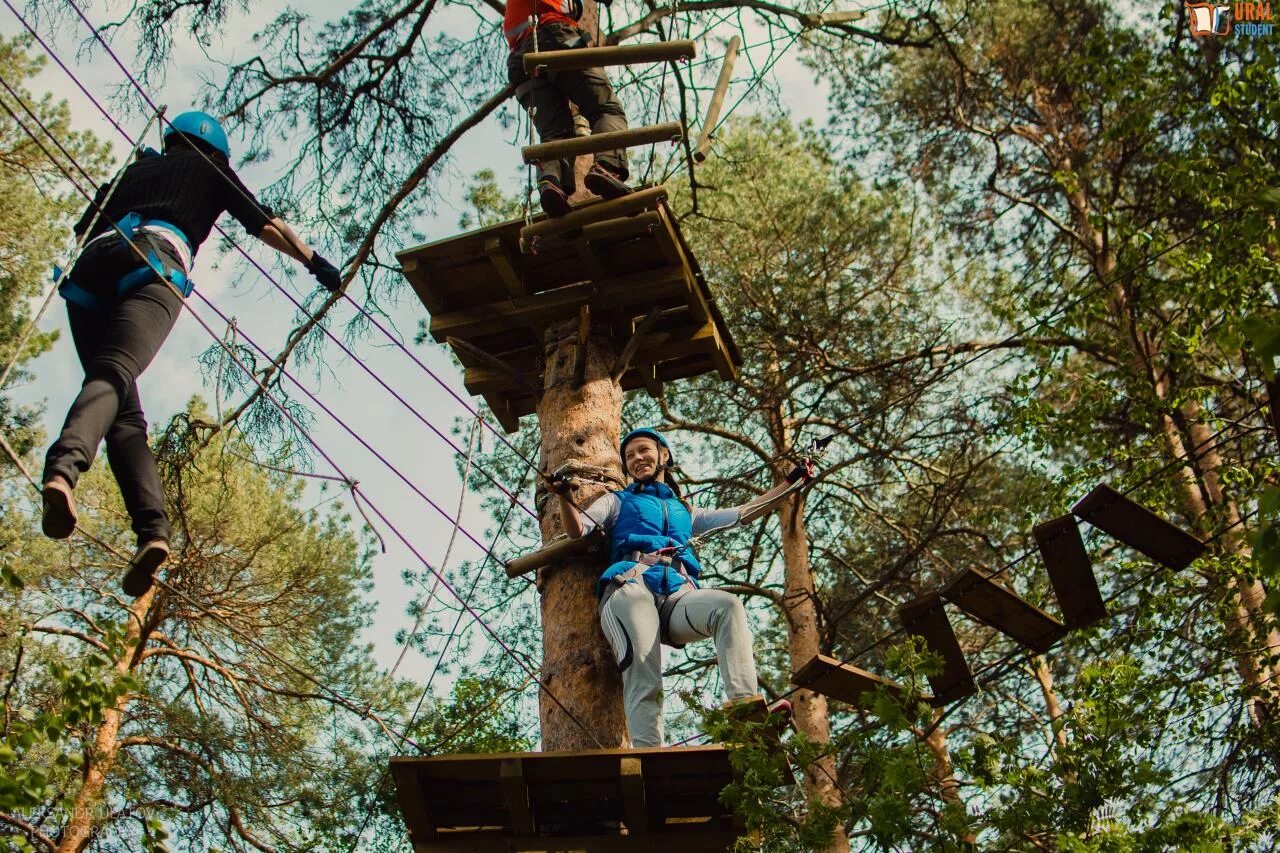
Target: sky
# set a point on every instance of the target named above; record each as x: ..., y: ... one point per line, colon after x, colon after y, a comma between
x: 264, y: 315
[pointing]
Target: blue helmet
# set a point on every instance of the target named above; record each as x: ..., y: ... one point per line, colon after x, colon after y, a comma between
x: 201, y: 126
x: 645, y: 432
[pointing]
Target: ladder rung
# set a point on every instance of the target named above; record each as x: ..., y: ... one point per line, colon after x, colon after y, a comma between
x: 926, y: 618
x: 975, y: 593
x: 628, y: 205
x: 563, y: 149
x: 599, y: 57
x: 1070, y: 571
x: 1138, y: 527
x: 837, y: 680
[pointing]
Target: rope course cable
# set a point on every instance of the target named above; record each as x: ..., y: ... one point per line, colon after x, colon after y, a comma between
x: 374, y: 508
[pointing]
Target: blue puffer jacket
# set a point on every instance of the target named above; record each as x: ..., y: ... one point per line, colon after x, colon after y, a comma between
x: 651, y: 517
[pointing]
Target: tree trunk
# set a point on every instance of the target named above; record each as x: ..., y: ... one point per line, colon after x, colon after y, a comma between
x: 809, y: 709
x: 1044, y: 677
x: 87, y: 813
x: 577, y: 425
x: 941, y: 773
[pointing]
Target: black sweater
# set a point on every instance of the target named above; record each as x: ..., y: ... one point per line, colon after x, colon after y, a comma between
x: 182, y: 188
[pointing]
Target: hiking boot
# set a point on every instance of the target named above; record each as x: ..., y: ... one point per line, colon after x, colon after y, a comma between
x: 554, y: 200
x: 142, y: 568
x: 59, y: 518
x: 605, y: 183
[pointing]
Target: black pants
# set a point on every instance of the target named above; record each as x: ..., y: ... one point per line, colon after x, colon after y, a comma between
x: 549, y: 96
x: 115, y: 343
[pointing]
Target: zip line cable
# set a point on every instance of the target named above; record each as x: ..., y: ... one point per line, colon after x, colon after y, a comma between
x: 301, y: 431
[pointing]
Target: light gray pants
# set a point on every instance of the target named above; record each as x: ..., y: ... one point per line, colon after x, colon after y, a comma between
x: 630, y: 622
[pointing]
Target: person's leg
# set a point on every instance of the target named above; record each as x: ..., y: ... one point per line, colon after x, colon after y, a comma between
x: 134, y: 467
x: 630, y: 623
x: 590, y: 90
x: 715, y: 613
x: 115, y: 346
x: 552, y: 119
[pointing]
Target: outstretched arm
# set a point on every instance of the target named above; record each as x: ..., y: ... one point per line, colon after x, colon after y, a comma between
x: 799, y: 477
x: 278, y: 235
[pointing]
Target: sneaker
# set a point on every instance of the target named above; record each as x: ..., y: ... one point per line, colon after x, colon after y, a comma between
x: 604, y: 183
x: 553, y: 198
x: 59, y: 519
x: 142, y: 568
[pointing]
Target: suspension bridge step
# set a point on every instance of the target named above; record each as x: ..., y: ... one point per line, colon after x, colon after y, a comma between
x: 844, y: 682
x: 926, y: 617
x: 974, y: 592
x: 594, y: 143
x: 1138, y: 527
x: 622, y: 259
x: 1070, y: 572
x: 600, y: 57
x: 605, y: 800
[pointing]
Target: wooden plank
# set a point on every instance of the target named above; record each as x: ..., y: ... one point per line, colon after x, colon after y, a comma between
x: 504, y: 265
x: 974, y: 592
x: 516, y: 376
x: 553, y: 551
x: 1138, y: 527
x: 416, y: 273
x: 926, y: 618
x: 502, y: 412
x: 631, y: 226
x: 628, y: 205
x: 623, y: 361
x: 642, y: 288
x: 1070, y: 571
x: 591, y: 266
x: 413, y: 805
x: 516, y: 794
x: 635, y: 809
x: 717, y: 99
x: 596, y: 143
x: 602, y: 57
x: 487, y: 380
x: 842, y: 681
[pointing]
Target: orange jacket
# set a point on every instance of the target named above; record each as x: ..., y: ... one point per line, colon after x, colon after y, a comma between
x: 516, y: 23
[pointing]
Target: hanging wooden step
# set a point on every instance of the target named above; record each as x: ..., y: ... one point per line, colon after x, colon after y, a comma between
x: 580, y: 217
x: 599, y: 800
x: 554, y: 551
x: 594, y: 143
x: 601, y: 57
x: 717, y: 100
x: 1070, y: 572
x: 926, y: 618
x: 1138, y: 527
x: 844, y: 682
x: 974, y: 592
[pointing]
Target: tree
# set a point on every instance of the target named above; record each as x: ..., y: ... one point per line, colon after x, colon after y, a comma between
x: 34, y: 220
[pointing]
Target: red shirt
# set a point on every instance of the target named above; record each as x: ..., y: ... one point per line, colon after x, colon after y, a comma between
x: 516, y: 24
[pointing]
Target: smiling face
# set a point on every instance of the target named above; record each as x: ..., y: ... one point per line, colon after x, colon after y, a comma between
x: 643, y: 455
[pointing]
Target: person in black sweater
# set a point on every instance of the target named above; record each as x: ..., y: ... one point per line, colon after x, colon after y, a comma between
x: 123, y: 296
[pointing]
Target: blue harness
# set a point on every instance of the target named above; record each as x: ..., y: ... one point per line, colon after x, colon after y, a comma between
x: 154, y: 267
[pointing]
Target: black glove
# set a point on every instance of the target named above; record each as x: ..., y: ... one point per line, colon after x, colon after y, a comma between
x: 803, y: 471
x: 327, y: 274
x: 560, y: 484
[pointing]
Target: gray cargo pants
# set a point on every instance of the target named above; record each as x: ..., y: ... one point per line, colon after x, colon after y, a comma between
x: 548, y: 96
x: 630, y: 622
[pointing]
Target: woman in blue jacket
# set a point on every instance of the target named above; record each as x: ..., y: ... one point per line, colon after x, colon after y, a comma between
x: 649, y: 595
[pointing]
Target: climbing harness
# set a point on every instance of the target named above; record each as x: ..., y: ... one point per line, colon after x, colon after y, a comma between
x: 154, y: 266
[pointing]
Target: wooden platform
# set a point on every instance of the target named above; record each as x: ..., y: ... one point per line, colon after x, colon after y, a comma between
x: 606, y: 800
x: 844, y: 682
x: 482, y: 290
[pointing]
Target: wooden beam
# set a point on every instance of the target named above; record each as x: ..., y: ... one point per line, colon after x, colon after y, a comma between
x: 574, y: 220
x: 595, y: 143
x: 486, y: 380
x: 580, y: 349
x: 623, y: 361
x: 927, y: 618
x: 601, y: 57
x: 635, y: 809
x: 1070, y: 572
x: 502, y: 263
x: 630, y: 226
x: 517, y: 376
x: 641, y: 288
x: 421, y: 283
x: 974, y: 592
x: 1138, y: 527
x: 649, y: 377
x: 552, y: 552
x: 717, y: 99
x: 836, y: 18
x: 502, y: 412
x: 516, y: 794
x: 842, y: 681
x: 413, y: 804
